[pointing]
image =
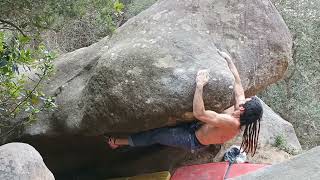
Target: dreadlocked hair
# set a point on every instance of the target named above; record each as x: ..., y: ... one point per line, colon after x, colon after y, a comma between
x: 251, y: 118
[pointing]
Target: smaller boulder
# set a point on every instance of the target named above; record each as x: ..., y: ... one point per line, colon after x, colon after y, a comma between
x: 303, y: 166
x: 20, y: 161
x: 275, y: 129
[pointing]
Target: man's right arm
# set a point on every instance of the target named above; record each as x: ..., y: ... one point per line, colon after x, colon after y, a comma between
x: 238, y: 89
x: 199, y: 111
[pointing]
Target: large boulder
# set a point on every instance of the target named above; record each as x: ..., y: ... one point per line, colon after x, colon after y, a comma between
x: 19, y: 161
x: 303, y: 166
x: 146, y: 72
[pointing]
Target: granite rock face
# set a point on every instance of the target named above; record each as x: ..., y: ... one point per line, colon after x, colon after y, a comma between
x: 303, y: 166
x: 19, y: 161
x: 146, y: 72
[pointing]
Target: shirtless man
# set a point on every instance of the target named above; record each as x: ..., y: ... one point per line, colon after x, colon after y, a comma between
x: 217, y: 128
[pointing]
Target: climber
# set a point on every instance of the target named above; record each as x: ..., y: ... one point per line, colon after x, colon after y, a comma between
x: 217, y: 128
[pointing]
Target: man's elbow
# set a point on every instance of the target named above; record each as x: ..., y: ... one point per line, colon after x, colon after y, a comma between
x: 198, y: 114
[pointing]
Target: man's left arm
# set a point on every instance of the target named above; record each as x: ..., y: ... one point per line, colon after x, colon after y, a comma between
x: 237, y: 87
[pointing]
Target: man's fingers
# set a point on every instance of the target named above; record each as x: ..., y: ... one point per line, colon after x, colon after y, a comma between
x: 223, y: 54
x: 203, y: 74
x: 200, y: 72
x: 207, y: 77
x: 203, y: 71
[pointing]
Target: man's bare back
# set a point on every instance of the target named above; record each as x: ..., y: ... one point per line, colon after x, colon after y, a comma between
x: 208, y: 134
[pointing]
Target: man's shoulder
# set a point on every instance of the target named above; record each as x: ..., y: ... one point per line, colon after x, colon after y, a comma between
x: 228, y: 120
x: 229, y: 110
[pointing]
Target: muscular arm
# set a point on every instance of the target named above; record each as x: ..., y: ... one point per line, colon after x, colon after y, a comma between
x: 198, y: 108
x: 207, y: 116
x: 238, y: 89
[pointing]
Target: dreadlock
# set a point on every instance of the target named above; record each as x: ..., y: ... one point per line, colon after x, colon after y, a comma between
x: 251, y: 118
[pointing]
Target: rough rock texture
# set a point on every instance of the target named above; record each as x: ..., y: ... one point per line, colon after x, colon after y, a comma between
x: 304, y: 166
x: 272, y: 125
x: 269, y: 155
x: 20, y: 161
x: 146, y: 71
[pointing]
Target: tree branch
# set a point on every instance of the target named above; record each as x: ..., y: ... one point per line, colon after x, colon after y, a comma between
x: 31, y: 92
x: 7, y: 28
x: 19, y: 123
x: 13, y: 25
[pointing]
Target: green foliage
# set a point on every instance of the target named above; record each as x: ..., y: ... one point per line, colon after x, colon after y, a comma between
x: 108, y: 13
x: 17, y: 100
x: 136, y: 6
x: 118, y: 7
x: 38, y: 16
x: 1, y: 41
x: 296, y: 97
x: 280, y: 142
x: 66, y: 25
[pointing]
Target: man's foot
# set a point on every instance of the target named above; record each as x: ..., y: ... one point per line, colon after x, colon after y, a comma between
x: 112, y: 142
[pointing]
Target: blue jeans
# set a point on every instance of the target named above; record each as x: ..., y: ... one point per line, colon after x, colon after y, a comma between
x: 181, y: 136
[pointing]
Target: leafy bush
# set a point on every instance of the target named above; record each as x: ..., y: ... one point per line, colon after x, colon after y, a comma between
x: 134, y: 7
x: 17, y: 101
x: 61, y: 17
x: 280, y: 142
